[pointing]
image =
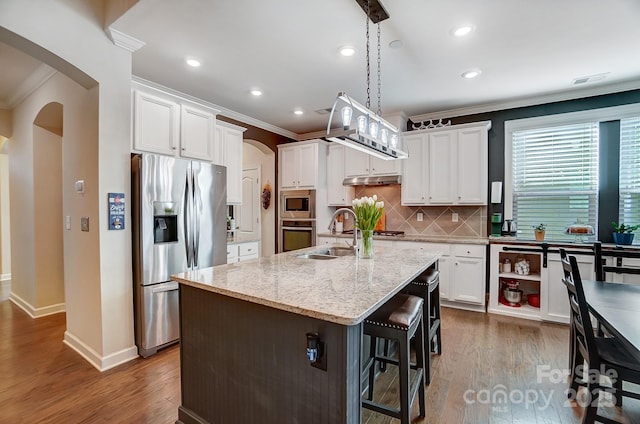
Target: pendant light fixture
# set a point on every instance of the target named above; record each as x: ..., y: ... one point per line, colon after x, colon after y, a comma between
x: 359, y: 127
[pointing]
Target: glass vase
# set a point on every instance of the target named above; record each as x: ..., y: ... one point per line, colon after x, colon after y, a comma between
x: 366, y: 245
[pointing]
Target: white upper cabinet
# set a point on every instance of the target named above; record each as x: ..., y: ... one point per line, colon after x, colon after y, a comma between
x: 298, y: 165
x: 166, y: 125
x: 473, y: 159
x: 156, y: 124
x: 197, y: 129
x: 446, y: 166
x: 337, y: 194
x: 414, y: 176
x: 442, y: 172
x: 360, y: 164
x: 229, y: 139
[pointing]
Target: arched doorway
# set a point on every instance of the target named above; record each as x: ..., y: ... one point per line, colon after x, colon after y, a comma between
x: 256, y: 155
x: 48, y: 231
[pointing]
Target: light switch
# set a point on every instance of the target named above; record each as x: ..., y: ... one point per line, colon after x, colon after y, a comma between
x: 419, y: 216
x: 84, y: 223
x: 454, y: 217
x: 80, y: 186
x: 67, y: 222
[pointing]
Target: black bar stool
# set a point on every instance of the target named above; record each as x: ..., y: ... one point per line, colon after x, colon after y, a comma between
x: 398, y: 320
x: 427, y: 286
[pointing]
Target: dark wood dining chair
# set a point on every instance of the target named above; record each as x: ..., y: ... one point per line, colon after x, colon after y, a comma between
x: 601, y: 354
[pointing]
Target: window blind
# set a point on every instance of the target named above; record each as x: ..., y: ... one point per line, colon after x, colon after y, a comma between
x: 630, y: 173
x: 555, y: 179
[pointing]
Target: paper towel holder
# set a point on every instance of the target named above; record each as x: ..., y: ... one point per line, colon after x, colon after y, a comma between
x: 496, y: 192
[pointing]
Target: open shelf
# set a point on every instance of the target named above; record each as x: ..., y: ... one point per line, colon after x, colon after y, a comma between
x: 514, y: 276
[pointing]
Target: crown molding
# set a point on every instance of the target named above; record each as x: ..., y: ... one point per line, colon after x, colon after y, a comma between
x: 221, y: 110
x: 124, y: 41
x: 529, y: 101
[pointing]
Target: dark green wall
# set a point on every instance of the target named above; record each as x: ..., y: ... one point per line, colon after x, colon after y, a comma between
x: 496, y: 143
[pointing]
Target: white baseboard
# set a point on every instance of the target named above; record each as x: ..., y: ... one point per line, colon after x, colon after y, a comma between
x: 461, y: 305
x: 99, y: 362
x: 34, y: 312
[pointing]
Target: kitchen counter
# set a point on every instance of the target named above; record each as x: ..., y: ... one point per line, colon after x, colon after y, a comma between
x: 419, y: 238
x: 343, y: 290
x: 568, y: 244
x: 244, y: 330
x: 241, y: 238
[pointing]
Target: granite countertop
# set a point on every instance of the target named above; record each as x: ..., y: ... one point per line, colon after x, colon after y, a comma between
x: 241, y: 238
x: 344, y: 290
x: 420, y: 238
x: 580, y: 245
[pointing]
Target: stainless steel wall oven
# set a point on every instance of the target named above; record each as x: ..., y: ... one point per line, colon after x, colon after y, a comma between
x: 297, y: 234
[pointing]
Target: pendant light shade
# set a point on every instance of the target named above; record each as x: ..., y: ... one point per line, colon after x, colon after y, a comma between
x: 371, y: 133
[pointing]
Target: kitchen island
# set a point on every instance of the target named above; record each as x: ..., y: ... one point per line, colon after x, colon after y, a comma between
x: 244, y: 334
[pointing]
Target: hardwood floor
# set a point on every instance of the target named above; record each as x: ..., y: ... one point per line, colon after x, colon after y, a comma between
x: 44, y: 381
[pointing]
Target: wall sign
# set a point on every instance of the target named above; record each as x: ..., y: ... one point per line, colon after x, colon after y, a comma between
x: 116, y: 211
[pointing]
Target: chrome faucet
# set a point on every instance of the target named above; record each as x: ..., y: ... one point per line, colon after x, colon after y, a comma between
x: 355, y: 230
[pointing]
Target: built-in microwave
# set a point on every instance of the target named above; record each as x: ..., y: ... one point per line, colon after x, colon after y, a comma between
x: 298, y: 204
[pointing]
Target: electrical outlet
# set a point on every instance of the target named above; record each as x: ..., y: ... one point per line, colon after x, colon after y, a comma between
x: 454, y: 217
x: 346, y: 216
x: 84, y: 223
x: 419, y: 216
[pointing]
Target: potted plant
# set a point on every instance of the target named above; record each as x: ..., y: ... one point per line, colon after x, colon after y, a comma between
x: 539, y: 231
x: 623, y: 234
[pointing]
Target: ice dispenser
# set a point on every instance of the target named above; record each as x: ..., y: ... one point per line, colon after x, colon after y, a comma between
x: 165, y: 222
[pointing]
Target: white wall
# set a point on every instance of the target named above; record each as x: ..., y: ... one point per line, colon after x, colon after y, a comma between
x: 5, y: 229
x: 256, y: 154
x: 48, y: 258
x: 68, y: 35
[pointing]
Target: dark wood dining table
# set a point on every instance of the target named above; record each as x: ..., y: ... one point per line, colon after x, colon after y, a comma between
x: 617, y: 307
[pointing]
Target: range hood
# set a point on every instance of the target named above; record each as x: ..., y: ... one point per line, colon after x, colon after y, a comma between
x: 373, y: 181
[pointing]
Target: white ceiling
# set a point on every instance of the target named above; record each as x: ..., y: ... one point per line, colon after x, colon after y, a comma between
x: 528, y: 51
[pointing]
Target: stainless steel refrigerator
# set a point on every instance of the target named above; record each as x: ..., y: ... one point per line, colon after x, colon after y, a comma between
x: 178, y: 224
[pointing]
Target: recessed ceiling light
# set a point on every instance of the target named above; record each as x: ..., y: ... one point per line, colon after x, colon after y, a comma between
x: 395, y: 44
x: 462, y: 30
x: 471, y: 73
x: 256, y: 92
x: 347, y: 51
x: 298, y: 112
x: 192, y: 62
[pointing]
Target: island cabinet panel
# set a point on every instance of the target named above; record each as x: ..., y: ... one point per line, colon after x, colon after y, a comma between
x: 242, y: 362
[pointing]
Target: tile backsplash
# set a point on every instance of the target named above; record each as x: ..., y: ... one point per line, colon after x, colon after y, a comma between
x: 472, y: 220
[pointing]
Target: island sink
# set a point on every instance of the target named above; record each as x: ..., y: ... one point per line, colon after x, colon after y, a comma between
x: 328, y: 253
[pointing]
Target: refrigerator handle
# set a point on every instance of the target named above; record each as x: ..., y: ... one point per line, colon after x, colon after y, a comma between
x: 187, y: 219
x: 197, y: 200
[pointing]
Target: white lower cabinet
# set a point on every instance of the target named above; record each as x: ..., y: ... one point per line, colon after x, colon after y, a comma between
x: 239, y: 252
x: 622, y: 278
x: 462, y: 269
x: 462, y: 273
x: 543, y: 278
x: 468, y: 271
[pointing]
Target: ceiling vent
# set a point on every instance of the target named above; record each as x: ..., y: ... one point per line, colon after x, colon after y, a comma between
x: 590, y: 78
x: 323, y: 111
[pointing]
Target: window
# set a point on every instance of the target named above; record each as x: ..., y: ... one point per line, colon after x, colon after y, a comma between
x: 629, y: 175
x: 552, y: 169
x: 555, y: 178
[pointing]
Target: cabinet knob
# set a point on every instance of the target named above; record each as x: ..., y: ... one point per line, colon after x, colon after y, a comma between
x: 248, y: 250
x: 173, y: 147
x: 182, y: 148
